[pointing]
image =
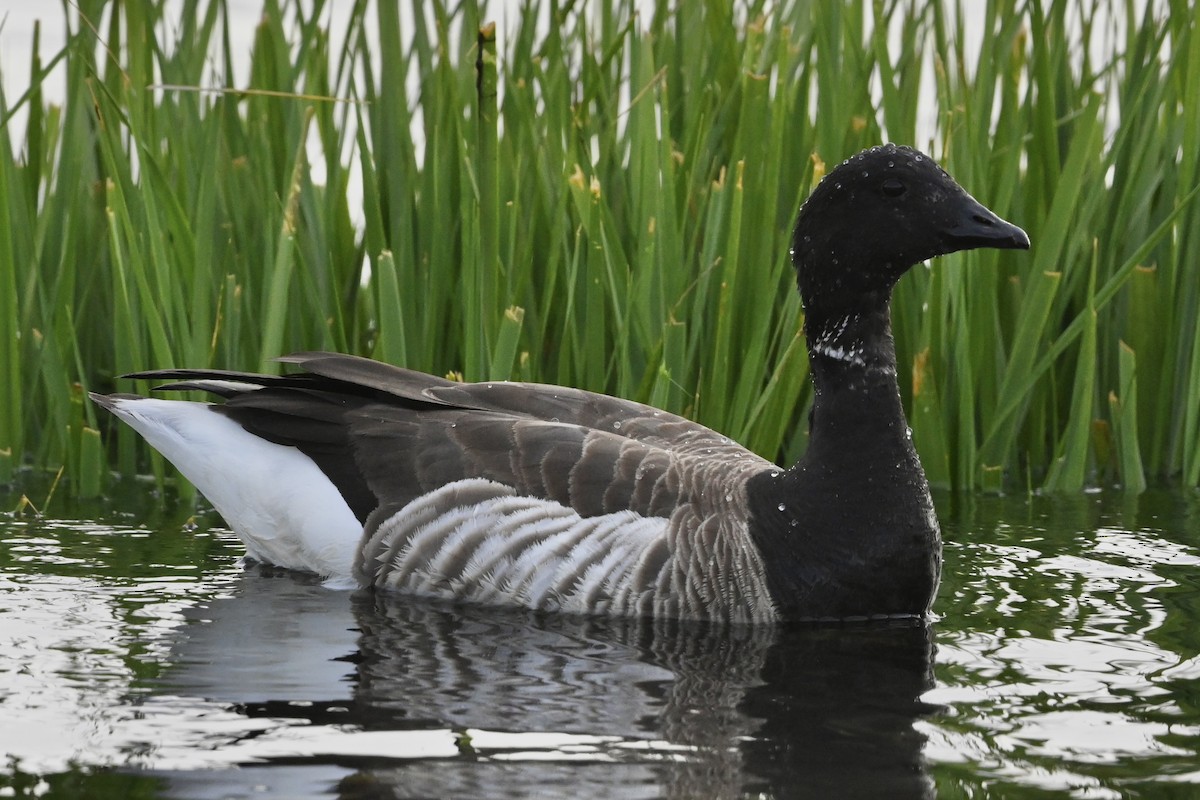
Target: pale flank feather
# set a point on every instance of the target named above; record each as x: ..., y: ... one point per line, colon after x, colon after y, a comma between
x: 479, y: 541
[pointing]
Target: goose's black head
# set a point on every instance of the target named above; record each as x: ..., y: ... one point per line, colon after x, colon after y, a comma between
x: 875, y: 216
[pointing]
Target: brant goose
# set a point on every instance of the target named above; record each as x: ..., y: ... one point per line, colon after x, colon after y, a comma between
x: 558, y: 499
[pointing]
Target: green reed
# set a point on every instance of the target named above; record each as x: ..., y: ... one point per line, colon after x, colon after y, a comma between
x: 604, y: 200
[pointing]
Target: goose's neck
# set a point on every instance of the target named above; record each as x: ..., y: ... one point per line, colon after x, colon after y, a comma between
x: 849, y: 530
x: 853, y: 362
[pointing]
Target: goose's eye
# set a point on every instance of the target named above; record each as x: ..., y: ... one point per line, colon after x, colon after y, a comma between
x: 893, y: 187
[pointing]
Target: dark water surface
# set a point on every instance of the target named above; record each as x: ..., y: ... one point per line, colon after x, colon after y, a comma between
x: 138, y: 659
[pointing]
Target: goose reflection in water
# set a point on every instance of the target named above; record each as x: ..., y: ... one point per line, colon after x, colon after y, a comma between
x: 389, y: 697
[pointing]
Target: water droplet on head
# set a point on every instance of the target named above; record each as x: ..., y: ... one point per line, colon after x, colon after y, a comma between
x: 837, y: 186
x: 908, y: 433
x: 616, y: 426
x: 865, y: 175
x: 919, y: 157
x: 891, y: 163
x: 782, y: 507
